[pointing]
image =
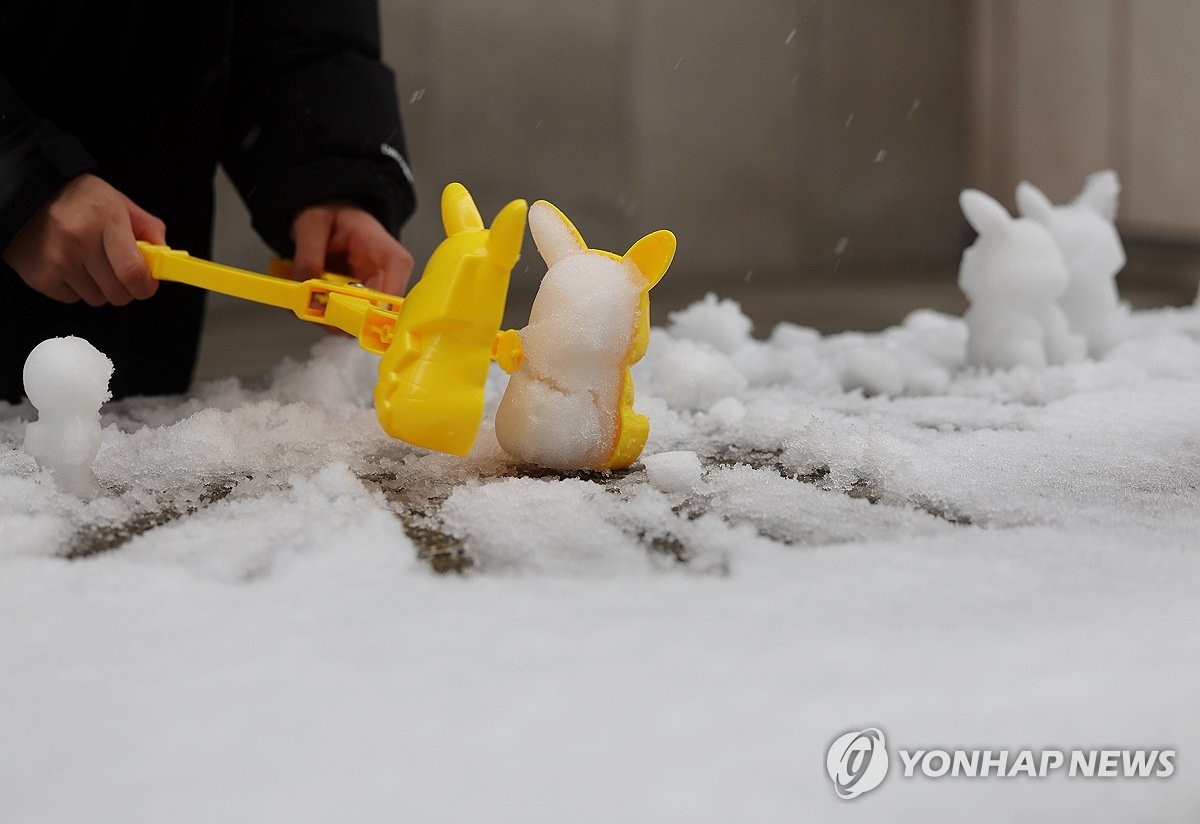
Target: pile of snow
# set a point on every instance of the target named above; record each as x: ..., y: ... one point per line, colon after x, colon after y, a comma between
x: 251, y: 626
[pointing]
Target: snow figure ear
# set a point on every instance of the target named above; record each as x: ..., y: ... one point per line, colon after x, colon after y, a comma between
x: 554, y: 235
x: 1100, y: 193
x: 651, y: 256
x: 982, y: 211
x: 458, y: 211
x: 507, y: 232
x: 1031, y: 202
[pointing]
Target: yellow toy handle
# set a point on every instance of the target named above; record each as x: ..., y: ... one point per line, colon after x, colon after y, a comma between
x: 332, y: 300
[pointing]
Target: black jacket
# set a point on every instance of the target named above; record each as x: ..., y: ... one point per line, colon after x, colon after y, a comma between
x: 290, y: 95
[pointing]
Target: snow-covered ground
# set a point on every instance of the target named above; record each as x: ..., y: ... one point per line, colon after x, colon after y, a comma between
x: 248, y: 625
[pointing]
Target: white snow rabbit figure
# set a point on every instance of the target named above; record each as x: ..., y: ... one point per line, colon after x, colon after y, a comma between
x: 1013, y: 276
x: 1085, y: 234
x: 569, y: 404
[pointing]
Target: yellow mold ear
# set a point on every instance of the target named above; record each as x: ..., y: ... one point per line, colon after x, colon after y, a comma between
x: 507, y: 232
x: 652, y: 255
x: 459, y: 213
x: 556, y: 237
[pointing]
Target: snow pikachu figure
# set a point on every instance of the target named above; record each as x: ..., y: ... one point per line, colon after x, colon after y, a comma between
x: 431, y: 379
x: 569, y: 403
x: 66, y: 379
x: 1013, y: 276
x: 1089, y: 242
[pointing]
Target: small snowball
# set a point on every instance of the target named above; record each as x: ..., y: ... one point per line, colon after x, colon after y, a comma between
x: 66, y: 376
x: 66, y: 379
x: 719, y: 323
x: 673, y: 472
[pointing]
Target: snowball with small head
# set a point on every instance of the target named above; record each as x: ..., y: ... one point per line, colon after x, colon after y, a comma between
x: 66, y: 379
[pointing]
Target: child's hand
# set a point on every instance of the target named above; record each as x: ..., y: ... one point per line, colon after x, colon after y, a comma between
x: 82, y: 245
x: 342, y: 238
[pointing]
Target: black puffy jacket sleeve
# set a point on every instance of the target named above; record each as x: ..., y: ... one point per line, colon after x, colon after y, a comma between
x: 36, y: 160
x: 312, y: 114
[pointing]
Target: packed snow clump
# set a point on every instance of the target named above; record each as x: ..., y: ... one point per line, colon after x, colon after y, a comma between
x: 563, y: 407
x: 678, y: 471
x: 66, y: 380
x: 1085, y: 233
x: 560, y: 409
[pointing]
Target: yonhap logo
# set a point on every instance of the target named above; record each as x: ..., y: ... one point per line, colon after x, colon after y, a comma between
x: 857, y: 762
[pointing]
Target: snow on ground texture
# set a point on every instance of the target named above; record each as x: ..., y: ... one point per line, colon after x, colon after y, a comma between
x: 248, y: 626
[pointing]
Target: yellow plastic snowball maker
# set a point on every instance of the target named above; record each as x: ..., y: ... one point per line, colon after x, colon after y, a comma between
x: 431, y: 380
x: 436, y: 343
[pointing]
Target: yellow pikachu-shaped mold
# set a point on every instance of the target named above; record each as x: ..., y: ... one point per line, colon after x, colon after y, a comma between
x: 650, y: 257
x: 569, y: 403
x: 431, y: 379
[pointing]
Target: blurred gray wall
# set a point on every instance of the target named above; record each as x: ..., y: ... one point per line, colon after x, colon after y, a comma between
x: 1062, y: 89
x: 788, y: 143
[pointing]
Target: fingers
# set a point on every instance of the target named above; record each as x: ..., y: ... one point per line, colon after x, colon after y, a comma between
x: 349, y: 240
x: 374, y: 256
x: 61, y: 292
x: 114, y: 270
x: 310, y: 233
x: 123, y: 271
x: 397, y: 268
x: 145, y: 226
x: 82, y: 245
x: 81, y: 282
